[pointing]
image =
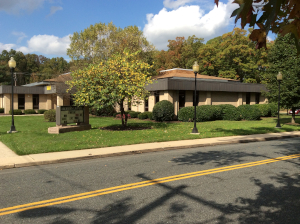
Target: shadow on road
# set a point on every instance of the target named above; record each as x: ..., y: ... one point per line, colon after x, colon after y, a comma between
x: 274, y: 201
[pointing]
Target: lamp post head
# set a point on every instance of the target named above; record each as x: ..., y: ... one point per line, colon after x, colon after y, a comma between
x: 279, y: 76
x: 196, y: 67
x: 12, y: 63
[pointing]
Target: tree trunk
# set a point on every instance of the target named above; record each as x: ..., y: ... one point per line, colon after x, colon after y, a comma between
x: 293, y: 115
x: 124, y: 120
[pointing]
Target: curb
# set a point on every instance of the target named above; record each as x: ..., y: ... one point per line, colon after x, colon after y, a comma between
x: 28, y: 160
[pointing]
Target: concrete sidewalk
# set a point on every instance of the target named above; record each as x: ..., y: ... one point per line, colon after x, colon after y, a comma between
x: 9, y: 159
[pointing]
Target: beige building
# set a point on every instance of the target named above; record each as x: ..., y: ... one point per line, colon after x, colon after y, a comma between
x: 178, y: 86
x: 39, y: 95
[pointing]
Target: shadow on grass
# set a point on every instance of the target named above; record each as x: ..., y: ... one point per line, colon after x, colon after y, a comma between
x: 137, y: 126
x: 252, y: 131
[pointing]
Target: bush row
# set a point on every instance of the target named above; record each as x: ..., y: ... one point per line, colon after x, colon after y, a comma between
x: 50, y: 115
x: 1, y: 110
x: 227, y: 112
x: 28, y: 111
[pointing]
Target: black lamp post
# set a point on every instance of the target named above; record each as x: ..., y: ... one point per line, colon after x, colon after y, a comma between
x: 12, y: 65
x: 195, y: 70
x: 279, y: 79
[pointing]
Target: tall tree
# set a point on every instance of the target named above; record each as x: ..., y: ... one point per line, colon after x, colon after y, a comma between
x: 111, y: 82
x: 181, y: 53
x: 100, y: 41
x: 279, y: 16
x: 283, y: 58
x: 232, y: 56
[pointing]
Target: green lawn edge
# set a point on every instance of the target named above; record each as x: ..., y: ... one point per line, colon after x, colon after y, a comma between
x: 33, y: 137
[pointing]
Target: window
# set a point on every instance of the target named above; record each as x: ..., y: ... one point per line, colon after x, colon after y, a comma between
x: 146, y: 105
x: 257, y: 96
x: 21, y: 101
x: 156, y: 96
x: 35, y: 100
x: 197, y: 98
x: 247, y: 98
x: 181, y: 99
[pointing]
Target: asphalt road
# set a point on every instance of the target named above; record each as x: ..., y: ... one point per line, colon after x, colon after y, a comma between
x: 239, y: 183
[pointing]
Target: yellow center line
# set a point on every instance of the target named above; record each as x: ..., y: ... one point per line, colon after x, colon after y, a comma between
x: 75, y: 197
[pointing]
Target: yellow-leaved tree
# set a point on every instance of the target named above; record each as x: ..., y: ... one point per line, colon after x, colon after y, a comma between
x: 111, y: 82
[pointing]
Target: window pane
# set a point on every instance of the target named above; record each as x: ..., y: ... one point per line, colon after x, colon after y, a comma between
x: 35, y: 99
x: 21, y: 101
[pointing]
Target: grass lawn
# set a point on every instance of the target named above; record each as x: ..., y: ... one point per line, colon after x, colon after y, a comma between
x: 32, y: 136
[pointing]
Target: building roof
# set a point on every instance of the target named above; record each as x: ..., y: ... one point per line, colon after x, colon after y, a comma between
x: 61, y: 78
x: 187, y: 73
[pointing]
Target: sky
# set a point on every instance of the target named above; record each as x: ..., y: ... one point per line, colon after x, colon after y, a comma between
x: 43, y: 27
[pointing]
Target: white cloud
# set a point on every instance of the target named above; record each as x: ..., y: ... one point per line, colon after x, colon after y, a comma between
x: 15, y: 6
x: 42, y: 44
x: 21, y: 36
x: 47, y: 44
x: 54, y: 9
x: 269, y: 38
x: 6, y: 47
x: 173, y: 4
x: 187, y: 21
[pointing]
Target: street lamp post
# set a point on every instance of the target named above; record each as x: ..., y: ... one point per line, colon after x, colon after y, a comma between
x: 279, y: 79
x: 12, y: 65
x: 195, y: 70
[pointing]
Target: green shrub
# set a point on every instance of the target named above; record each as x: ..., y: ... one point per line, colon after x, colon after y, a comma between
x: 143, y: 116
x: 16, y: 112
x: 274, y: 109
x: 203, y: 113
x: 105, y: 111
x: 133, y: 114
x: 1, y: 110
x: 29, y: 111
x: 41, y: 111
x: 50, y: 115
x: 249, y: 112
x: 265, y: 110
x: 217, y: 112
x: 150, y: 115
x: 186, y: 114
x: 163, y: 111
x: 230, y: 112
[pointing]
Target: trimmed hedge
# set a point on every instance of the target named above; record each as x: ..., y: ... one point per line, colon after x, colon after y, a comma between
x: 29, y: 111
x: 249, y: 112
x: 163, y: 111
x: 105, y: 111
x: 149, y: 114
x: 273, y: 109
x: 230, y: 112
x: 16, y: 112
x: 186, y: 114
x: 203, y: 113
x: 143, y: 116
x: 42, y: 111
x: 1, y: 110
x: 265, y: 110
x: 133, y: 114
x: 50, y: 115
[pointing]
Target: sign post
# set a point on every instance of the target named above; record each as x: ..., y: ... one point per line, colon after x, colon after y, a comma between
x: 70, y: 118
